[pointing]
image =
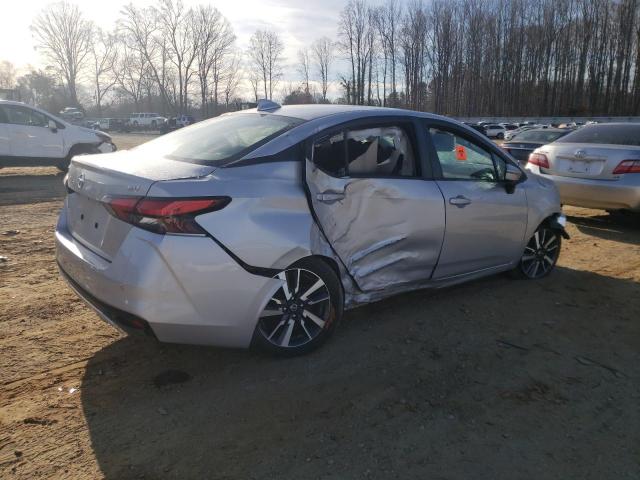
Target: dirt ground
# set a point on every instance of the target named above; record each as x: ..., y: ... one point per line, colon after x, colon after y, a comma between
x: 494, y: 379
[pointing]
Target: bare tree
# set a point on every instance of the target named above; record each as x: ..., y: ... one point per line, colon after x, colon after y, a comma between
x: 140, y: 31
x: 356, y: 35
x: 323, y: 56
x: 232, y: 78
x: 254, y: 81
x: 103, y: 64
x: 132, y: 73
x: 7, y: 74
x: 304, y: 68
x: 215, y: 39
x: 178, y: 27
x: 63, y: 36
x: 265, y: 53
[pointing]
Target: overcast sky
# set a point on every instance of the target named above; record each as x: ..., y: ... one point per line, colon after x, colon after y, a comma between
x: 298, y: 22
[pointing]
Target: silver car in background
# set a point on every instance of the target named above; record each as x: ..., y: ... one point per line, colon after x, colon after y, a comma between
x: 597, y: 166
x: 262, y: 226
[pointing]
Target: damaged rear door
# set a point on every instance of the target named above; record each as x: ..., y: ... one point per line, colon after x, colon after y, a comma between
x: 384, y: 221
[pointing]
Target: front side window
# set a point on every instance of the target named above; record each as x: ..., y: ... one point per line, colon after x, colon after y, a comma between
x: 220, y: 139
x: 3, y: 116
x: 25, y: 116
x: 461, y: 159
x: 380, y: 152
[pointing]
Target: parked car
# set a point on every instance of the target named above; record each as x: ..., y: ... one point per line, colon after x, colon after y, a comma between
x: 477, y: 128
x: 72, y: 114
x: 32, y: 137
x: 597, y: 166
x: 262, y: 226
x: 508, y: 135
x: 494, y: 130
x: 509, y: 127
x: 146, y: 120
x: 185, y: 120
x: 174, y: 123
x: 112, y: 124
x: 525, y: 142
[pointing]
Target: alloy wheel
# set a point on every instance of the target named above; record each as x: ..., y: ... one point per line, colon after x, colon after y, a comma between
x: 541, y: 253
x: 298, y: 312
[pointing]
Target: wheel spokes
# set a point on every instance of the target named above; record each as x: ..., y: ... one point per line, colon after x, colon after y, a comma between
x: 314, y: 318
x: 298, y: 311
x: 312, y: 289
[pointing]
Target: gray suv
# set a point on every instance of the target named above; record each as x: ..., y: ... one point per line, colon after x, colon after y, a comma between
x: 262, y: 226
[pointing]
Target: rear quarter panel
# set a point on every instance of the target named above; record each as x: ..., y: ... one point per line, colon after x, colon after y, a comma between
x: 267, y: 224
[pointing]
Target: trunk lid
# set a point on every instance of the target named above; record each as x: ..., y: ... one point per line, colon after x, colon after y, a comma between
x: 591, y: 161
x: 94, y: 179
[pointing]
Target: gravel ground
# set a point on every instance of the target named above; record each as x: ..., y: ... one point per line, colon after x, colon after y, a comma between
x: 494, y: 379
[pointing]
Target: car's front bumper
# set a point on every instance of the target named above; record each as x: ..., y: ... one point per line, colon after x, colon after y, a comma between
x: 107, y: 147
x: 621, y: 194
x: 186, y: 288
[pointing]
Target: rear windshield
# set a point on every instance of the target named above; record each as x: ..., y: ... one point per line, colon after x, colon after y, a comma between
x: 606, y: 134
x: 219, y: 140
x: 538, y: 136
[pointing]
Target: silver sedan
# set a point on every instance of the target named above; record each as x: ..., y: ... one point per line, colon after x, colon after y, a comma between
x: 597, y: 166
x: 263, y: 226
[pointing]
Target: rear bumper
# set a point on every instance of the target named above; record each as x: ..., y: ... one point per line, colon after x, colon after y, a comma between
x: 622, y: 194
x: 187, y: 289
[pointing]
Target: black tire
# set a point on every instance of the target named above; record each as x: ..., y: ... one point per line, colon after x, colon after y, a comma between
x: 63, y: 165
x: 296, y: 322
x: 500, y: 136
x: 540, y: 254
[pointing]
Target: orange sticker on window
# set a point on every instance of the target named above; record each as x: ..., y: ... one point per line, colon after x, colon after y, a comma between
x: 461, y: 153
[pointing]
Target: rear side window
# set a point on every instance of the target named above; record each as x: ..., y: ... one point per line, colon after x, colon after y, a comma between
x: 369, y: 152
x: 461, y: 159
x: 605, y: 134
x: 329, y: 155
x: 538, y: 136
x: 380, y: 152
x: 3, y: 116
x: 219, y: 140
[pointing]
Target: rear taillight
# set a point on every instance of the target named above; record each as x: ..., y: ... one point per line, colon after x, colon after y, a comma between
x: 627, y: 166
x: 539, y: 159
x: 165, y: 215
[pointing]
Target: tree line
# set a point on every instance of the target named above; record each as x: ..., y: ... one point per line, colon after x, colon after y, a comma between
x: 454, y: 57
x: 494, y: 57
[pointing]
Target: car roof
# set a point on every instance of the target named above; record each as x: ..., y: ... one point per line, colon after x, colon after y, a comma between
x: 312, y: 112
x: 13, y: 102
x: 316, y: 118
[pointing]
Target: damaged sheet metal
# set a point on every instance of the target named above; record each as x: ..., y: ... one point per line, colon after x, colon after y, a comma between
x: 386, y: 232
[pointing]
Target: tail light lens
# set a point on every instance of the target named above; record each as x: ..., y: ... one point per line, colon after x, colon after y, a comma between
x: 165, y: 215
x: 627, y: 166
x: 539, y: 159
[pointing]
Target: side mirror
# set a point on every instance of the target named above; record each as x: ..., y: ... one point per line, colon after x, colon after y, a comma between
x: 512, y: 176
x: 53, y: 126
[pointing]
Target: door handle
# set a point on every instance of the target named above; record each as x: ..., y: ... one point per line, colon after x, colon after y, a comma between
x: 460, y: 201
x: 330, y: 196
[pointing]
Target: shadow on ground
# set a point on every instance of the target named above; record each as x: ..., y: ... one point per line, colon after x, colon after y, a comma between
x: 30, y: 185
x: 618, y: 227
x: 494, y: 379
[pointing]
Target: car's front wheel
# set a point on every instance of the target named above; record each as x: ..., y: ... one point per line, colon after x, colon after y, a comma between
x: 541, y: 254
x: 303, y: 312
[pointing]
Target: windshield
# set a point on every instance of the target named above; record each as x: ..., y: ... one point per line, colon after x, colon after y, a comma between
x: 220, y: 139
x: 538, y: 136
x: 609, y: 134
